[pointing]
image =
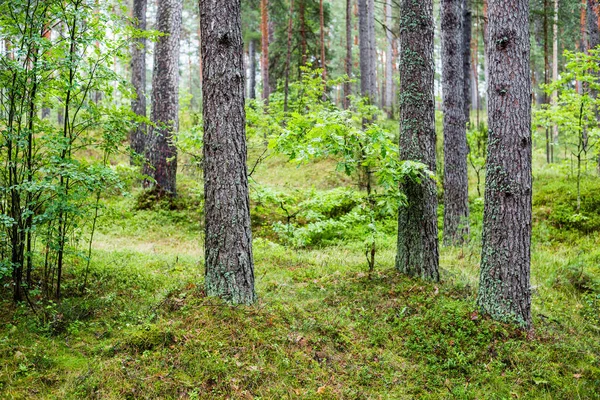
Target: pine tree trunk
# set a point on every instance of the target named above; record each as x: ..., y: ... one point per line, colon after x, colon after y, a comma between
x: 229, y: 262
x: 554, y: 77
x: 138, y: 78
x: 264, y: 65
x: 418, y: 253
x: 303, y: 38
x: 546, y: 98
x: 388, y: 103
x: 323, y: 62
x: 161, y: 153
x: 504, y: 291
x: 348, y: 85
x: 288, y: 58
x: 368, y: 52
x: 467, y: 33
x: 252, y: 68
x: 456, y: 182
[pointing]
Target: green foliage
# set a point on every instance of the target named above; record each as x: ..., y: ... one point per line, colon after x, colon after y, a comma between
x: 53, y: 175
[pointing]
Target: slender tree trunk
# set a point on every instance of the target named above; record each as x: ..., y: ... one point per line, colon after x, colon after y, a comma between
x: 368, y: 55
x: 288, y: 58
x: 348, y: 85
x: 418, y: 253
x: 456, y: 182
x: 504, y: 291
x: 229, y: 261
x: 546, y: 99
x: 138, y: 78
x: 593, y: 42
x: 161, y: 153
x: 303, y: 38
x: 252, y: 68
x: 466, y: 48
x: 388, y: 103
x: 323, y: 61
x: 554, y: 77
x: 264, y: 65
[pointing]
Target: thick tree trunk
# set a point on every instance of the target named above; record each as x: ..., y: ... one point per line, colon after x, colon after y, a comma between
x: 264, y: 65
x: 467, y: 33
x: 418, y: 253
x: 161, y: 153
x: 368, y: 51
x: 348, y: 85
x: 456, y: 182
x: 504, y: 291
x: 388, y: 103
x: 138, y: 78
x: 229, y: 262
x: 252, y: 68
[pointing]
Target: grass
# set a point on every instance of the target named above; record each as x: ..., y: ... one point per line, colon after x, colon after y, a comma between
x: 321, y: 330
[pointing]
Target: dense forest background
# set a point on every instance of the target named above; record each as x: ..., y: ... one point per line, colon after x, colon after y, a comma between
x: 299, y: 199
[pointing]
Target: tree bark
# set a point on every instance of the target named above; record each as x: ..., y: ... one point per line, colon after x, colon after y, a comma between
x: 388, y: 103
x: 229, y: 261
x: 554, y: 77
x: 368, y: 56
x: 418, y: 252
x: 323, y: 62
x: 264, y: 65
x: 161, y: 153
x: 347, y: 84
x: 252, y: 68
x: 138, y: 78
x: 288, y: 58
x: 504, y: 291
x: 467, y: 33
x: 456, y: 182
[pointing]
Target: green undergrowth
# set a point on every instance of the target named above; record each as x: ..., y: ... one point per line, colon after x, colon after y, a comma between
x: 322, y: 328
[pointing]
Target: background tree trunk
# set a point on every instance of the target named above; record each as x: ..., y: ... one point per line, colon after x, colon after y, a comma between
x: 504, y: 291
x: 368, y: 52
x: 456, y: 182
x: 388, y: 103
x: 229, y: 262
x: 264, y: 65
x: 138, y: 78
x: 322, y: 40
x: 554, y: 77
x: 348, y: 85
x: 288, y: 58
x: 161, y: 153
x: 418, y: 252
x: 466, y: 48
x: 252, y: 68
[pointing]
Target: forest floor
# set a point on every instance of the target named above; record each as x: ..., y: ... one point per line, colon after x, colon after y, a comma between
x: 322, y: 328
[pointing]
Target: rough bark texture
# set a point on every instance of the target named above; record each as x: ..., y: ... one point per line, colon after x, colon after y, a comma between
x: 322, y: 43
x: 348, y: 85
x: 368, y: 51
x: 456, y: 182
x: 504, y: 291
x: 467, y: 33
x: 252, y: 68
x: 418, y: 253
x: 264, y: 64
x: 138, y: 77
x: 592, y: 23
x: 229, y: 262
x: 161, y: 153
x: 388, y: 103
